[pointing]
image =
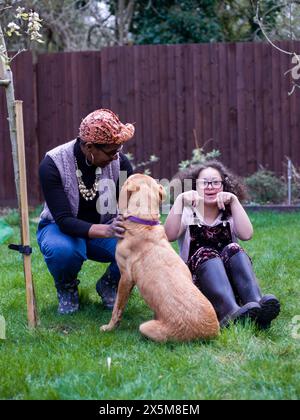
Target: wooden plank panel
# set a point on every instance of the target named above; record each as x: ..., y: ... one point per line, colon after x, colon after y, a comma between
x: 138, y: 105
x: 196, y: 99
x: 180, y: 106
x: 156, y: 140
x: 276, y: 108
x: 259, y: 86
x: 130, y: 113
x: 44, y: 96
x: 145, y: 111
x: 206, y: 97
x: 164, y: 110
x: 265, y: 104
x: 241, y: 163
x: 232, y: 97
x: 249, y: 65
x: 170, y: 146
x: 215, y: 97
x: 224, y: 145
x: 189, y: 87
x: 114, y: 80
x: 120, y: 82
x: 105, y: 79
x: 285, y: 65
x: 294, y: 114
x: 123, y: 81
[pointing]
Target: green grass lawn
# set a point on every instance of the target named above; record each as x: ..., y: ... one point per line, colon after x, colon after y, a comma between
x: 66, y: 357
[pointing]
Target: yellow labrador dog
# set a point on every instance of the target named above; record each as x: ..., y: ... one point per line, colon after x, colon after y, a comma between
x: 146, y: 259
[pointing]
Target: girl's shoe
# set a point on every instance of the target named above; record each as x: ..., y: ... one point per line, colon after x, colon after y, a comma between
x: 246, y: 288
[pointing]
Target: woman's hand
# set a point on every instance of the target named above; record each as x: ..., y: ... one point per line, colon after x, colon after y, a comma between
x: 115, y: 229
x: 224, y: 198
x: 191, y: 198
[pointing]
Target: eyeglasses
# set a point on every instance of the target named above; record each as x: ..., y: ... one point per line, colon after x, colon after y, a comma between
x: 205, y: 184
x: 113, y: 153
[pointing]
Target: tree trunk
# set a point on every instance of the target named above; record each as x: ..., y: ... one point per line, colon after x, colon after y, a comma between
x: 7, y: 76
x: 120, y: 22
x: 124, y: 15
x: 15, y: 119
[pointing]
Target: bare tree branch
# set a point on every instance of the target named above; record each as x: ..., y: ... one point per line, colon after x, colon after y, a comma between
x: 296, y: 56
x: 4, y: 9
x: 259, y: 21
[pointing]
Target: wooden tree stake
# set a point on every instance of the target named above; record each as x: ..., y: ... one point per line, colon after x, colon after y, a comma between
x: 30, y: 295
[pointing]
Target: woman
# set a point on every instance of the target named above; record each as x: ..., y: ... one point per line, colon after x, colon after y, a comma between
x: 208, y: 221
x: 80, y: 182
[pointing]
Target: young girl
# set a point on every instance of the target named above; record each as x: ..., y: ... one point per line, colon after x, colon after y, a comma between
x: 207, y: 222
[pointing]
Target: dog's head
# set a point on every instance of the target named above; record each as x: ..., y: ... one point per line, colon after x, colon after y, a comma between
x: 141, y: 196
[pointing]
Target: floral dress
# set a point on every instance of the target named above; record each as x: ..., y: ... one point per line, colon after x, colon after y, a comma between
x: 207, y: 242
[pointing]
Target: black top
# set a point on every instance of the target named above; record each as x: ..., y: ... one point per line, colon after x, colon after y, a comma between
x: 214, y: 237
x: 58, y: 201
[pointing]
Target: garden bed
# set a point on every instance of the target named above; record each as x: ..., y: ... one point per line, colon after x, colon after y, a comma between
x: 272, y: 207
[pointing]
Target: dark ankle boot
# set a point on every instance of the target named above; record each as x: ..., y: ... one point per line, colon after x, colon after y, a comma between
x: 213, y: 282
x: 245, y: 285
x: 68, y: 298
x: 107, y: 288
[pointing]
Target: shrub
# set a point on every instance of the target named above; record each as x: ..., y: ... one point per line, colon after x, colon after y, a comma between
x: 137, y: 167
x: 12, y: 217
x: 264, y: 187
x: 198, y: 157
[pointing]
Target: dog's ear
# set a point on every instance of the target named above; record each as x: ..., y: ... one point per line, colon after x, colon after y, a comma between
x: 132, y: 186
x: 162, y: 193
x: 128, y: 188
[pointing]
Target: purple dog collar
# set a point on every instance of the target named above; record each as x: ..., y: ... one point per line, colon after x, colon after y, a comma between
x: 143, y: 222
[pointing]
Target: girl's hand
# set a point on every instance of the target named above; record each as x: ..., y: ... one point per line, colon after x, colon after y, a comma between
x: 191, y: 198
x: 225, y: 198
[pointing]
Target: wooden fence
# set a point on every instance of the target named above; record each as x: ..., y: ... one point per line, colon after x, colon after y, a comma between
x: 231, y: 97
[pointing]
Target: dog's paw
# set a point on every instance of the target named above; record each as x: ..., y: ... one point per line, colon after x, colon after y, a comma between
x: 106, y: 328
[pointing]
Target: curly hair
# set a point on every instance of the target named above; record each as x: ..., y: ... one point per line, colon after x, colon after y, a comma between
x: 231, y: 182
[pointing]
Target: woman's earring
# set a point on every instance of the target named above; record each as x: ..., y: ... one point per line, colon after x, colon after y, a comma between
x: 87, y: 161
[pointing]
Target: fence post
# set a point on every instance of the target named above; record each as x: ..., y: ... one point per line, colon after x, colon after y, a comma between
x: 289, y: 182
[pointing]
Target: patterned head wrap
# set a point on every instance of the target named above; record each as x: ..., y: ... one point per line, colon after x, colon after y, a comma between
x: 104, y: 127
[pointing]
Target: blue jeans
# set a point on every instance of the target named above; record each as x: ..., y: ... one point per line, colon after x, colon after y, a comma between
x: 65, y: 255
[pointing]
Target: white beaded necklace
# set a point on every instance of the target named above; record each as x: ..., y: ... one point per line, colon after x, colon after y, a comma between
x: 87, y: 193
